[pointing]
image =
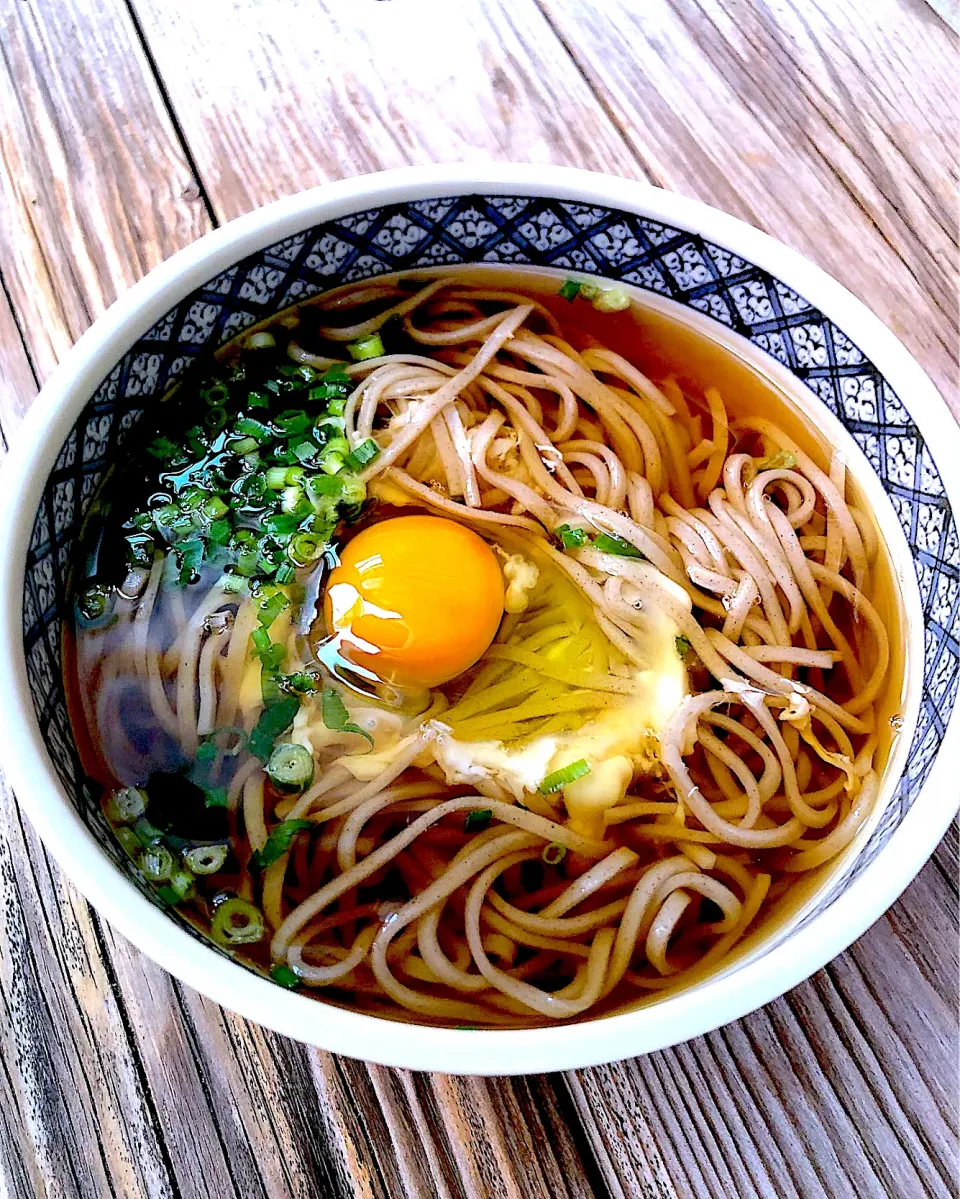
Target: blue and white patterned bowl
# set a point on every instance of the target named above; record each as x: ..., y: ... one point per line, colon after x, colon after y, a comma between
x: 803, y: 325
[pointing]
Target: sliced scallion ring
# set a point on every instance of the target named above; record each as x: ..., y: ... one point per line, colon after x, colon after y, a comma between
x: 290, y: 767
x: 237, y: 922
x: 205, y: 859
x: 157, y: 863
x: 126, y: 805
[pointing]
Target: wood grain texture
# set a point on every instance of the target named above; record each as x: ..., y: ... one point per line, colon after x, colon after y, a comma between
x: 814, y: 121
x: 126, y: 131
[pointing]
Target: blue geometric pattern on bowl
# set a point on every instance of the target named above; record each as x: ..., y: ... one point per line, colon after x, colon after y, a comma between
x: 508, y: 230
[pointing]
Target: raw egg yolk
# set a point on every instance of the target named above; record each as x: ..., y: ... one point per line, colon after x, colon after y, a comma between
x: 415, y: 599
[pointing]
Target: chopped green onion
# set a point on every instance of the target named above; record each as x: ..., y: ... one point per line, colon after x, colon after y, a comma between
x: 566, y: 774
x: 93, y: 605
x: 276, y: 478
x: 293, y: 422
x: 286, y: 573
x: 270, y: 607
x: 257, y: 399
x: 234, y: 584
x: 216, y: 393
x: 245, y: 446
x: 554, y: 853
x: 168, y: 895
x: 275, y: 719
x: 335, y: 716
x: 157, y: 863
x: 129, y: 840
x: 611, y: 299
x: 126, y: 805
x: 365, y: 452
x: 147, y: 833
x: 570, y: 290
x: 291, y: 497
x: 352, y: 490
x: 219, y: 532
x: 246, y: 426
x: 215, y: 797
x: 683, y: 646
x: 305, y: 548
x: 205, y: 859
x: 278, y: 843
x: 301, y: 683
x: 290, y: 768
x: 214, y: 508
x: 163, y: 448
x: 182, y: 884
x: 366, y: 347
x: 477, y: 820
x: 284, y: 976
x: 571, y: 537
x: 607, y: 543
x: 237, y: 922
x: 305, y: 451
x: 190, y: 554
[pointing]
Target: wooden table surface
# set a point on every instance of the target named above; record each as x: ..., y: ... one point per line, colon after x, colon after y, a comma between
x: 130, y: 127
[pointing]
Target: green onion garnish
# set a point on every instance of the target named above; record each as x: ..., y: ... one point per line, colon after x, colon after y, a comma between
x: 683, y: 646
x: 275, y: 719
x: 571, y: 537
x: 205, y: 859
x: 565, y: 775
x: 126, y: 805
x: 182, y: 883
x: 365, y: 452
x: 554, y: 853
x: 305, y: 548
x: 278, y: 842
x: 477, y: 820
x: 156, y: 863
x: 163, y: 448
x: 366, y: 347
x: 285, y: 977
x: 168, y: 895
x: 335, y: 715
x: 570, y: 290
x: 246, y: 426
x: 611, y: 299
x: 270, y: 607
x: 290, y: 768
x: 301, y: 683
x: 607, y: 543
x: 237, y: 922
x: 215, y: 797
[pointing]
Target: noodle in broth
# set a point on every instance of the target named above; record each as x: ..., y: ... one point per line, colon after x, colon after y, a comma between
x: 676, y: 719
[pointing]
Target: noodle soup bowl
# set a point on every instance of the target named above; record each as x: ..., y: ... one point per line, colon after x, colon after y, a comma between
x: 843, y: 369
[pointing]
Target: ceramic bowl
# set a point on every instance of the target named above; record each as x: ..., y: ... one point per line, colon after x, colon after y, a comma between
x: 849, y: 372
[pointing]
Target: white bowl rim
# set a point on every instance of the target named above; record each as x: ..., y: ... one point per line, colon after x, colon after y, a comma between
x: 43, y: 797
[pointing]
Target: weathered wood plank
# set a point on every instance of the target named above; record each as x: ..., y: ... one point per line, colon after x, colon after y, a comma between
x: 323, y: 90
x: 81, y: 1115
x: 94, y: 186
x: 18, y: 384
x: 828, y: 124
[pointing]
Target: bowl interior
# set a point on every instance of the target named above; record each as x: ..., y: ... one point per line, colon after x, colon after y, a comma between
x: 721, y: 290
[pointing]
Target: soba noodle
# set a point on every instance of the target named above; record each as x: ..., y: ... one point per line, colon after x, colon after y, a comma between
x: 684, y: 585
